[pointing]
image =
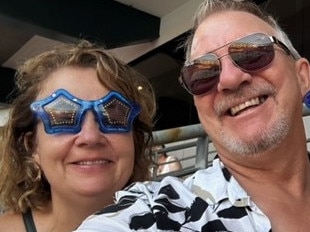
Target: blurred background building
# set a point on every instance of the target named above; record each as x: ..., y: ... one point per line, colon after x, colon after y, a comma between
x: 143, y: 33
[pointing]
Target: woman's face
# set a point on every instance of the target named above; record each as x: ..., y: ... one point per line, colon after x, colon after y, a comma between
x: 89, y: 163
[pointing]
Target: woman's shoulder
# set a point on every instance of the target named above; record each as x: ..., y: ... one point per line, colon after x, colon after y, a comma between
x: 11, y: 222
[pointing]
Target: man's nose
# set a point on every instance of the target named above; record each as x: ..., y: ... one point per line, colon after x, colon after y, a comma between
x: 231, y: 76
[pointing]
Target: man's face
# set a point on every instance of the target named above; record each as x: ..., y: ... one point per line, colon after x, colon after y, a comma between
x: 246, y: 112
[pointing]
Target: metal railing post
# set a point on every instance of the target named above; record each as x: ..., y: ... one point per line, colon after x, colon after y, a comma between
x: 202, y: 152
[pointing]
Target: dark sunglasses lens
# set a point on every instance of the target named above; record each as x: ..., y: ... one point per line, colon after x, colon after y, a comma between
x: 201, y: 76
x: 115, y: 113
x: 253, y: 52
x: 62, y: 112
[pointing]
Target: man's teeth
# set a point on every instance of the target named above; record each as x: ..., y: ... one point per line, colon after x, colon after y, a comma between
x: 94, y: 162
x: 253, y: 102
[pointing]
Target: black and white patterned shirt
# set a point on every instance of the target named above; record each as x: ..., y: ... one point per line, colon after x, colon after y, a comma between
x: 210, y: 200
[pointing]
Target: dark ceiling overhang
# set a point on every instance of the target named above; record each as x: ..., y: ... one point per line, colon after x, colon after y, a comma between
x: 107, y: 22
x: 7, y: 84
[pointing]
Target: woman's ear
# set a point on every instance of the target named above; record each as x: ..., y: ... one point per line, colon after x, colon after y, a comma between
x: 30, y: 145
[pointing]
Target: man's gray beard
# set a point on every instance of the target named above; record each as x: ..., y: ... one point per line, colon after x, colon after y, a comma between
x: 264, y: 140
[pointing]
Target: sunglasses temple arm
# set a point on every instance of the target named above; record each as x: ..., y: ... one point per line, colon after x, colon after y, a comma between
x: 283, y: 46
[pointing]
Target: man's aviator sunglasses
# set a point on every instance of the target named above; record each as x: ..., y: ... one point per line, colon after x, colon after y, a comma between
x: 64, y: 113
x: 250, y: 53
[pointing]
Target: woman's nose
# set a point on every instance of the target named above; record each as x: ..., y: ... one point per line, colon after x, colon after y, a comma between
x: 90, y: 133
x: 231, y: 77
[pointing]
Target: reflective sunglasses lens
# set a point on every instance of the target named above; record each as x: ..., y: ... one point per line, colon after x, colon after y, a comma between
x: 58, y: 112
x: 62, y: 112
x: 115, y: 113
x: 201, y: 76
x: 252, y: 53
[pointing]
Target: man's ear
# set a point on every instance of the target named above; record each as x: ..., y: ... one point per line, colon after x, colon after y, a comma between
x: 303, y: 73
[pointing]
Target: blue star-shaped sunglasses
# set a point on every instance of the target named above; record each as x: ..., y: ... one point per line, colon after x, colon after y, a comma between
x: 64, y: 113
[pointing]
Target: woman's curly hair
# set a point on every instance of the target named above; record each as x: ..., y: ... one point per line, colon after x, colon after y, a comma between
x: 21, y: 185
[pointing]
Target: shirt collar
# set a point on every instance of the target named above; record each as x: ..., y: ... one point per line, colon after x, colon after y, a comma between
x: 216, y: 184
